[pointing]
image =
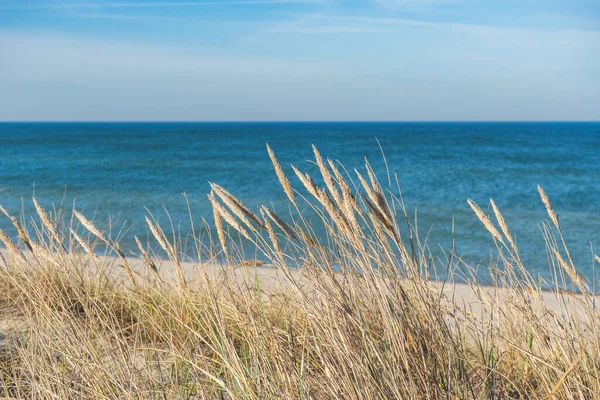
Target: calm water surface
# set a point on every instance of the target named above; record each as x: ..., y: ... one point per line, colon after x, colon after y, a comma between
x: 116, y: 169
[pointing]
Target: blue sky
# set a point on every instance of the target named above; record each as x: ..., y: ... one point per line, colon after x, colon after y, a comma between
x: 300, y: 60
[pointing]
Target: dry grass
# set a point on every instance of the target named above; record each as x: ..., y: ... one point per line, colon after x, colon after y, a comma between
x: 359, y: 318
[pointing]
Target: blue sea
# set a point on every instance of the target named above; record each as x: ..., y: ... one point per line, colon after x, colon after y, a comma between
x: 119, y: 172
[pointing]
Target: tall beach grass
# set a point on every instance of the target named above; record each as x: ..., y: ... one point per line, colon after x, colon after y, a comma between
x: 359, y: 313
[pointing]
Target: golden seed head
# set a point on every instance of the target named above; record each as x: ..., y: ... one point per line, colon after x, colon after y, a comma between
x: 485, y: 221
x: 283, y: 180
x: 87, y: 224
x: 86, y: 247
x: 548, y: 205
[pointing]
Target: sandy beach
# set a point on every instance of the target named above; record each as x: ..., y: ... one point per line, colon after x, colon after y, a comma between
x: 471, y: 298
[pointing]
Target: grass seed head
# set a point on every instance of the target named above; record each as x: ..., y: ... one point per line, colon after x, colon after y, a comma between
x: 283, y: 180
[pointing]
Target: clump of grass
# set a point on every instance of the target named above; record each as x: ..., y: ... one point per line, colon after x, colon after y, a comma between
x: 348, y: 315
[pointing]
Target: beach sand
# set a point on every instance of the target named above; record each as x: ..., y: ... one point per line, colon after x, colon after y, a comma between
x: 461, y: 299
x: 274, y: 280
x: 464, y: 297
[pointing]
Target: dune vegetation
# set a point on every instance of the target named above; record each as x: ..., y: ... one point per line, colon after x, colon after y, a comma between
x: 356, y: 313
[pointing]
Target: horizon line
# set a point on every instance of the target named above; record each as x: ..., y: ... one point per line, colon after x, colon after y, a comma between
x: 284, y: 121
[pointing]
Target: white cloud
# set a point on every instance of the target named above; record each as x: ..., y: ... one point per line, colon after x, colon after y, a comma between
x: 415, y: 4
x: 65, y: 5
x: 115, y: 16
x: 321, y: 23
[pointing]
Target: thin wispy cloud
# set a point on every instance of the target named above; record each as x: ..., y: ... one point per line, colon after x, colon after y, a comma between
x: 416, y: 5
x: 392, y: 21
x: 114, y: 16
x: 158, y: 4
x: 323, y: 23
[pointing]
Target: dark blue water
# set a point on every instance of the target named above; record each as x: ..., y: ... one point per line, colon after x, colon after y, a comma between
x: 117, y: 169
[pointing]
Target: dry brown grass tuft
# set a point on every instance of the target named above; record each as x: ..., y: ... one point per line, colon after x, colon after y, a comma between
x: 347, y: 316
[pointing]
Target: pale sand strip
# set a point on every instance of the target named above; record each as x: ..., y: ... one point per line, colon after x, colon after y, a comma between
x: 464, y: 298
x: 472, y: 299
